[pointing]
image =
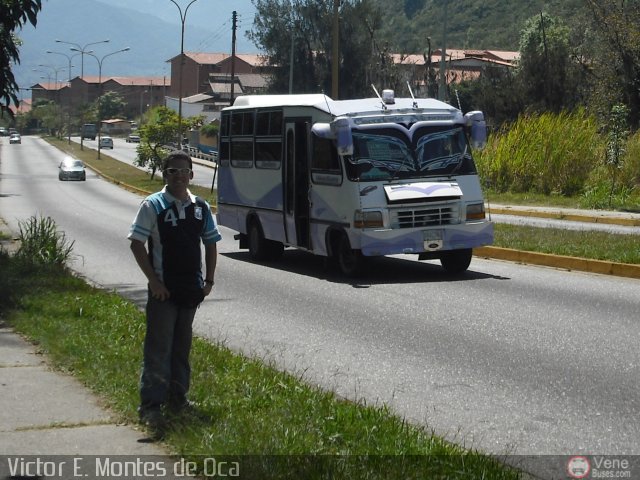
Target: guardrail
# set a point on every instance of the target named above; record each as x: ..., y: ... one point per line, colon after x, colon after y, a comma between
x: 194, y: 152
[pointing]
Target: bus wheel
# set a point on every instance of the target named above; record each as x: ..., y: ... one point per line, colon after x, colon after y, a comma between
x: 258, y: 249
x: 349, y: 261
x: 456, y: 261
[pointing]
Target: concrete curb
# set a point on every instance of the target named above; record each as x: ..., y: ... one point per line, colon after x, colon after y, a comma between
x: 560, y: 261
x: 565, y: 215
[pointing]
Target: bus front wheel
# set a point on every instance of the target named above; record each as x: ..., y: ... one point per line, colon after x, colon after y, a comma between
x: 456, y: 261
x: 350, y: 261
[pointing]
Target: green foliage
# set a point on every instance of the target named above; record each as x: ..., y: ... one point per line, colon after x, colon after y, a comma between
x: 573, y: 243
x: 110, y: 105
x: 159, y: 134
x: 160, y: 131
x: 13, y: 15
x: 210, y: 130
x: 543, y: 153
x: 544, y: 63
x: 473, y: 24
x: 42, y: 244
x: 306, y: 23
x: 48, y: 115
x: 612, y: 50
x: 616, y: 143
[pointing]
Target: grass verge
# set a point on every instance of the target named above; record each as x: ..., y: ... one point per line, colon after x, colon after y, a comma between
x: 573, y: 243
x: 245, y: 408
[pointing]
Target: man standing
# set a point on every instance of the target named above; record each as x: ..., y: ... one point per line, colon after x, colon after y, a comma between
x: 174, y: 223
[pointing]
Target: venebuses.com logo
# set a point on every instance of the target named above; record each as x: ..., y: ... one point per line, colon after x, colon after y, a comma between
x: 599, y: 466
x: 578, y: 467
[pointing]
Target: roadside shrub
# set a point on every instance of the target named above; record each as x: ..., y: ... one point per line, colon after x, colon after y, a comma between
x: 542, y: 153
x: 42, y: 244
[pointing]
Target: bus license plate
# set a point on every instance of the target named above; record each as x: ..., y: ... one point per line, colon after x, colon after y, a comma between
x: 432, y: 240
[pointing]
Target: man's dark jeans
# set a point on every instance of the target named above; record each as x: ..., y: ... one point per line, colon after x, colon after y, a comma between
x: 166, y: 370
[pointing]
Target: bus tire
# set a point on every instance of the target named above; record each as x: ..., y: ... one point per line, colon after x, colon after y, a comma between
x: 456, y: 261
x: 258, y: 249
x: 261, y: 249
x: 350, y: 261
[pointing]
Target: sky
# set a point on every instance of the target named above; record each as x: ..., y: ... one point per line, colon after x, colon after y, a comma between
x: 151, y: 29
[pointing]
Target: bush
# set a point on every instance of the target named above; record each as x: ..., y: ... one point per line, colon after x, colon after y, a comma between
x: 546, y: 153
x: 42, y: 244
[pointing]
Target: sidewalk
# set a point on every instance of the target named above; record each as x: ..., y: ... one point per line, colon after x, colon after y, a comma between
x: 50, y: 423
x: 630, y: 219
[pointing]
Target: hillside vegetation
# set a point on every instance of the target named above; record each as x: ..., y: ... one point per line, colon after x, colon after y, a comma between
x: 471, y: 24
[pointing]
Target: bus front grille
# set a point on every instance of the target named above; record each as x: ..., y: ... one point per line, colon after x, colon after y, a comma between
x: 425, y: 217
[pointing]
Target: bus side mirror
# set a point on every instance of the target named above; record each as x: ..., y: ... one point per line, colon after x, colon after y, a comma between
x: 475, y: 121
x: 341, y: 127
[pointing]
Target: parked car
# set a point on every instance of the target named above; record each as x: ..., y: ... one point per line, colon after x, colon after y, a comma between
x: 15, y: 138
x: 133, y: 138
x: 71, y: 169
x: 3, y: 132
x: 106, y: 142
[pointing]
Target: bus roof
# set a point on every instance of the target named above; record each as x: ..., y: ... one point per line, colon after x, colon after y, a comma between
x: 342, y: 107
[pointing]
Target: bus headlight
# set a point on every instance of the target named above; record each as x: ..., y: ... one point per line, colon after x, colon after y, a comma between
x: 371, y: 219
x: 475, y: 211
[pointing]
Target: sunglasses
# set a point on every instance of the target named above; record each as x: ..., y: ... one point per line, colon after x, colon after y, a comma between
x: 175, y: 171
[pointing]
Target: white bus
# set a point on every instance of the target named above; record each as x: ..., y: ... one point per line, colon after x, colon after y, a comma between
x: 351, y: 179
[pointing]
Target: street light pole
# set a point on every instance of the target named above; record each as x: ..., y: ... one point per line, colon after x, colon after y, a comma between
x: 100, y: 60
x: 82, y: 50
x: 183, y: 17
x: 69, y: 57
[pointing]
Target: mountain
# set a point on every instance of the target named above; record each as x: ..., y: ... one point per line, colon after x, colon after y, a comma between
x: 151, y: 28
x: 408, y: 25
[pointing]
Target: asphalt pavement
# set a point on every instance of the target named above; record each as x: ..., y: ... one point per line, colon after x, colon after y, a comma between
x: 51, y: 426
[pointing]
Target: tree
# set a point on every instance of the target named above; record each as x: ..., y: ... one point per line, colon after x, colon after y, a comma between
x: 310, y: 44
x: 157, y: 135
x: 48, y: 116
x: 545, y: 66
x: 13, y: 15
x: 110, y: 105
x: 613, y: 56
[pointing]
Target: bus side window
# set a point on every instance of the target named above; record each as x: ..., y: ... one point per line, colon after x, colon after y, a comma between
x: 325, y: 163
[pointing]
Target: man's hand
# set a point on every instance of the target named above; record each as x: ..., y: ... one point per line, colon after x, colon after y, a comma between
x: 158, y: 290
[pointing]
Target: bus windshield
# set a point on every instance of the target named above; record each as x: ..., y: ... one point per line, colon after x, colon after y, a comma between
x: 387, y: 154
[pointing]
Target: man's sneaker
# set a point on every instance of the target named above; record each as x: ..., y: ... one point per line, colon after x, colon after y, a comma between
x: 186, y: 408
x: 155, y: 423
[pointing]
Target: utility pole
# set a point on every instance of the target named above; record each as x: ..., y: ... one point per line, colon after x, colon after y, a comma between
x: 442, y: 91
x: 335, y: 53
x: 234, y: 26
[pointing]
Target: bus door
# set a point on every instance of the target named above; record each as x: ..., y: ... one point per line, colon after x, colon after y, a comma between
x: 296, y: 182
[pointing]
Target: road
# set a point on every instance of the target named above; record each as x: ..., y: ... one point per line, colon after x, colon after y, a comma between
x: 509, y: 359
x: 126, y: 152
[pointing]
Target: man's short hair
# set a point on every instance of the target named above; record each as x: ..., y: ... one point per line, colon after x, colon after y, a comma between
x: 176, y: 155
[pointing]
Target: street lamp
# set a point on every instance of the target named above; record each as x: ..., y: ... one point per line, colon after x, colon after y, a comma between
x: 55, y: 70
x: 48, y: 76
x: 183, y: 17
x: 82, y: 50
x: 69, y: 57
x: 100, y: 60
